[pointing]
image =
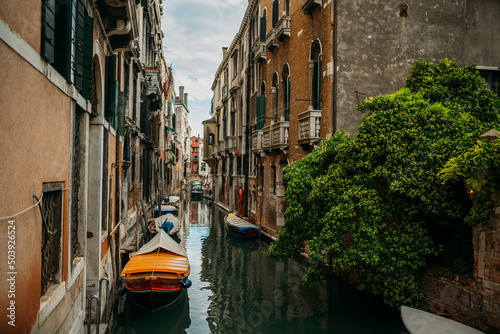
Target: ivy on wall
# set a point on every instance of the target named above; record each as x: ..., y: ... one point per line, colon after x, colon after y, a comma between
x: 365, y: 202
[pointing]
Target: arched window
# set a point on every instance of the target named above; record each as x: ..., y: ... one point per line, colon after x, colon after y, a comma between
x: 276, y: 9
x: 275, y: 91
x: 316, y: 76
x: 263, y: 20
x: 286, y: 91
x: 261, y: 108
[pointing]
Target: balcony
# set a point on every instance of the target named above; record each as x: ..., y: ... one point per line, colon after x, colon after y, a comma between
x: 121, y: 22
x: 271, y: 41
x: 221, y: 148
x: 257, y: 140
x: 275, y: 136
x: 309, y: 5
x: 259, y: 50
x: 283, y: 27
x: 153, y: 88
x: 309, y: 127
x: 230, y: 143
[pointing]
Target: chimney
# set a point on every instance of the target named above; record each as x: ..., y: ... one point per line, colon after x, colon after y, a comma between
x: 181, y: 94
x: 224, y: 51
x: 186, y: 99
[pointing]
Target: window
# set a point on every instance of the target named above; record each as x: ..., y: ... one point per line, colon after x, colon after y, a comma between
x: 287, y: 7
x: 273, y: 172
x: 286, y: 92
x: 51, y: 253
x: 263, y: 20
x: 235, y: 63
x: 112, y: 86
x: 276, y: 7
x: 211, y: 139
x: 491, y: 78
x: 261, y: 108
x: 67, y: 42
x: 275, y: 91
x: 316, y: 81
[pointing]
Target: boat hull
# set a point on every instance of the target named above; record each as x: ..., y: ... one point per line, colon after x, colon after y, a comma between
x: 241, y: 227
x: 153, y: 299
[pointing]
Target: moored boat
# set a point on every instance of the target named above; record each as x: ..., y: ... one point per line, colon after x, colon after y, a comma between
x: 165, y: 209
x: 421, y: 322
x: 196, y: 190
x: 157, y: 274
x: 171, y: 200
x: 241, y: 227
x: 168, y: 223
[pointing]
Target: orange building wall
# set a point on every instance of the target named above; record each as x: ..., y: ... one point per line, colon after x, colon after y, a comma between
x: 35, y: 134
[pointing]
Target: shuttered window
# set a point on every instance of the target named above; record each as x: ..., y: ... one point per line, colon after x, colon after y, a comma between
x: 67, y: 41
x: 276, y: 8
x: 111, y: 90
x: 286, y: 95
x: 261, y: 112
x: 316, y: 84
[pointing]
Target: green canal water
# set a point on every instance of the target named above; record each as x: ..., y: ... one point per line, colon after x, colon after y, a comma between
x: 236, y: 289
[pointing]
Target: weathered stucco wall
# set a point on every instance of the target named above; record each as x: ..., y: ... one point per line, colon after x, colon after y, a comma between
x: 25, y: 19
x: 35, y: 134
x: 376, y: 46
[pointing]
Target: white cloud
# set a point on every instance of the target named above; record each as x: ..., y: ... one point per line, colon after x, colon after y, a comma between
x: 195, y: 32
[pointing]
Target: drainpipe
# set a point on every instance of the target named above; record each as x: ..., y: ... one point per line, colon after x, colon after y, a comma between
x: 334, y: 56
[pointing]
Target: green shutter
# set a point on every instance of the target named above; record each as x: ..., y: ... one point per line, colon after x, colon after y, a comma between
x: 79, y: 41
x: 48, y: 29
x: 111, y: 91
x: 261, y: 112
x: 276, y: 99
x: 63, y: 39
x: 287, y: 100
x: 318, y: 97
x: 88, y: 44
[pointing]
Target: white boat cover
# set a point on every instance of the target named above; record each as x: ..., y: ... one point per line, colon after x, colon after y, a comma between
x: 162, y: 240
x: 171, y: 218
x: 421, y: 322
x: 172, y: 199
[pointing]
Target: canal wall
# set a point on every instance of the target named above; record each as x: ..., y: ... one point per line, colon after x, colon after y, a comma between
x: 473, y: 300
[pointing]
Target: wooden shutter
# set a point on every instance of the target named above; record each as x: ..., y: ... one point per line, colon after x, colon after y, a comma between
x: 88, y: 45
x: 48, y: 29
x: 287, y: 99
x: 263, y: 29
x: 276, y: 9
x: 63, y: 39
x: 111, y: 85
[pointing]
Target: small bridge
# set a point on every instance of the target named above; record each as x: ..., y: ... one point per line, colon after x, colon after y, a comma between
x: 195, y: 177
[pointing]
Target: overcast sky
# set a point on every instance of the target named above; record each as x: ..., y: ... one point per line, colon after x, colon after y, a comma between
x: 195, y: 32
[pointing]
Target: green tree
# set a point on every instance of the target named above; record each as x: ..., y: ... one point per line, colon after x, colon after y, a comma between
x: 365, y: 202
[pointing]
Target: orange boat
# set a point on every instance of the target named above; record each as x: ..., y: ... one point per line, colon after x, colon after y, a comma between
x: 157, y: 274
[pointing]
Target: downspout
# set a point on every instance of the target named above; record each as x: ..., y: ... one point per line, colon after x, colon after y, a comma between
x: 334, y: 57
x: 118, y: 162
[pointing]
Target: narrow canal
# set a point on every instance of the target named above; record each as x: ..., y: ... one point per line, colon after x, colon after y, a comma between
x: 236, y: 289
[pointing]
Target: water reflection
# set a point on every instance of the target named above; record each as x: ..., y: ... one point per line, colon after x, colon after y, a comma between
x: 238, y: 290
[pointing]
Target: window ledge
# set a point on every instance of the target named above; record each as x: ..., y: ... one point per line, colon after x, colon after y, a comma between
x: 78, y: 264
x: 50, y: 300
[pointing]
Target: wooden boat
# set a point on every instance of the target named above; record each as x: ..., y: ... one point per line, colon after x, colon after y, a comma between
x: 165, y: 209
x: 171, y: 200
x: 157, y: 274
x: 421, y: 322
x: 241, y: 227
x: 168, y: 223
x: 196, y: 190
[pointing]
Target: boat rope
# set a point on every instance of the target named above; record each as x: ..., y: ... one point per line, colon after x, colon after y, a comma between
x: 154, y: 267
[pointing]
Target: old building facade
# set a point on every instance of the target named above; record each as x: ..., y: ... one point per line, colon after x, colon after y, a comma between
x: 88, y: 82
x: 295, y: 72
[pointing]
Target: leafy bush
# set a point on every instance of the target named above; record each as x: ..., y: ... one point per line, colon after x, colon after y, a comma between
x: 364, y: 202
